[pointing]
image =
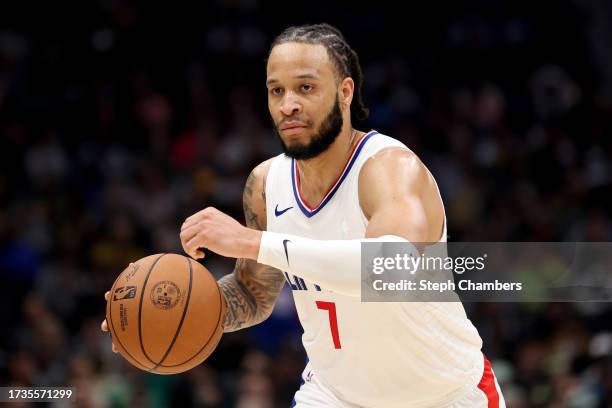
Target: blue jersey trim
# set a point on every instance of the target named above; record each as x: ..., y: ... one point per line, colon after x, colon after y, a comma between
x: 329, y: 196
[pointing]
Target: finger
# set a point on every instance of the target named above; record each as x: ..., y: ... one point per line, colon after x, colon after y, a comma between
x: 114, y: 348
x: 199, y: 216
x: 104, y: 326
x: 188, y: 224
x: 197, y: 253
x: 194, y: 245
x: 186, y: 248
x: 194, y: 218
x: 189, y: 232
x: 106, y: 295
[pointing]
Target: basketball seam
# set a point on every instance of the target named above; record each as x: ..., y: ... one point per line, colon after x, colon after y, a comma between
x: 209, y: 338
x: 144, y: 286
x: 142, y: 366
x: 180, y: 325
x: 196, y: 354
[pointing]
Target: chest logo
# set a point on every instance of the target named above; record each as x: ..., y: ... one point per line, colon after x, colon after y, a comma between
x: 281, y: 212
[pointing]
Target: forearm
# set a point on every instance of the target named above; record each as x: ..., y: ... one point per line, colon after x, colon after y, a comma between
x: 250, y: 293
x: 332, y: 264
x: 241, y: 307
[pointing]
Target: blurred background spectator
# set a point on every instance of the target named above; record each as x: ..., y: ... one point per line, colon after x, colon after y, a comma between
x: 119, y: 118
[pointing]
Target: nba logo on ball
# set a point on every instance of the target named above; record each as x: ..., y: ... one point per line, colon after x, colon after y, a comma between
x: 124, y: 292
x: 165, y: 295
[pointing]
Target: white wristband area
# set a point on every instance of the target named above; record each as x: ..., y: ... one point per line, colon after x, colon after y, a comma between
x: 332, y: 264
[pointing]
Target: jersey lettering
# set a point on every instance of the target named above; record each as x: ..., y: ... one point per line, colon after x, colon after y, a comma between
x: 297, y: 283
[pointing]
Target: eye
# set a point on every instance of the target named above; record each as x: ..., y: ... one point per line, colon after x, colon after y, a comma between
x: 276, y: 91
x: 307, y: 87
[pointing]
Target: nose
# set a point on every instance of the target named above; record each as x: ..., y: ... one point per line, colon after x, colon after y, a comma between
x: 290, y: 104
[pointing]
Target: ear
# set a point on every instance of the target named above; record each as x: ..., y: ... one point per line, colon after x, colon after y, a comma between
x: 345, y: 90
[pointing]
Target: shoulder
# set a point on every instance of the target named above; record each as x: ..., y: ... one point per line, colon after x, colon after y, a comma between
x: 391, y: 162
x: 384, y: 153
x: 260, y: 172
x: 395, y: 174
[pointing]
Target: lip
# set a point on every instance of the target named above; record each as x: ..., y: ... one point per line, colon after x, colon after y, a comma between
x: 292, y: 125
x: 293, y: 130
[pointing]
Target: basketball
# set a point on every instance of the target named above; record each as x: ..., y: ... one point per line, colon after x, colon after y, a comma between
x: 165, y: 313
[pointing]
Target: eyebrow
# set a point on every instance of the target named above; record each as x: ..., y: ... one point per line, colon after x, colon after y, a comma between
x: 303, y: 76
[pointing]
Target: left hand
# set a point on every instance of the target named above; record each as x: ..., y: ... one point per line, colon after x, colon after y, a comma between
x: 217, y: 231
x: 104, y: 325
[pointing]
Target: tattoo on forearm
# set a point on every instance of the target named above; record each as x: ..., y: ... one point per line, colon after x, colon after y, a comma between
x: 250, y: 292
x: 240, y: 306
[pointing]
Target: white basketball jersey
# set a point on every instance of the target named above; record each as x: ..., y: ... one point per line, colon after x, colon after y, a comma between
x: 375, y: 355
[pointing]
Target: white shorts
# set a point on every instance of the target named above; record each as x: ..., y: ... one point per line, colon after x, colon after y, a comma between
x: 313, y: 394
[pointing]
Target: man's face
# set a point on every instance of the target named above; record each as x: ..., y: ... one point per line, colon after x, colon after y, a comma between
x: 303, y: 99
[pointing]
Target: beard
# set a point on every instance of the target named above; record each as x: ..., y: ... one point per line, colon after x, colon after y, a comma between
x: 328, y: 132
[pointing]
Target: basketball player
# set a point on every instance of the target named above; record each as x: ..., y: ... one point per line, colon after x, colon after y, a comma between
x: 307, y: 212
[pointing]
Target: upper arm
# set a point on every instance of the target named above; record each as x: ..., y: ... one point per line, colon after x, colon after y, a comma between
x: 254, y: 197
x: 399, y: 197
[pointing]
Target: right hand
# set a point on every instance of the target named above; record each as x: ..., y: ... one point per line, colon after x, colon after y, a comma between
x: 104, y: 325
x: 220, y: 233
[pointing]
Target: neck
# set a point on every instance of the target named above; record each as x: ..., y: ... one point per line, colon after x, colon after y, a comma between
x: 318, y: 174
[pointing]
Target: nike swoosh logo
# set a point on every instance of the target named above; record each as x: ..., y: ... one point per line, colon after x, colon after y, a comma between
x: 286, y: 253
x: 281, y: 212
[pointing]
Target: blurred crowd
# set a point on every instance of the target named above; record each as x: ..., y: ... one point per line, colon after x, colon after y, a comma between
x: 118, y: 119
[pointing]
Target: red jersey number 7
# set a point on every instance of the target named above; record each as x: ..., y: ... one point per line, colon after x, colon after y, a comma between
x: 333, y: 321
